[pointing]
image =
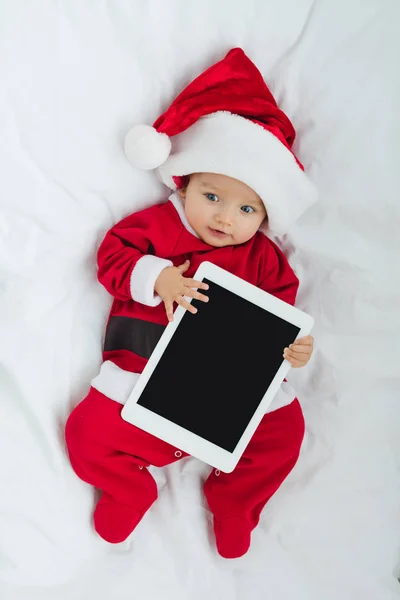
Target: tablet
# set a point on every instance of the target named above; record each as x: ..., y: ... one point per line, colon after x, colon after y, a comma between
x: 212, y: 375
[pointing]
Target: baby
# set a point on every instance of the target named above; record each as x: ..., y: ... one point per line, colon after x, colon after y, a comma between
x: 233, y: 172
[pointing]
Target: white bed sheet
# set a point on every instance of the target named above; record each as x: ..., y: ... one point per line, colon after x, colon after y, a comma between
x: 75, y: 76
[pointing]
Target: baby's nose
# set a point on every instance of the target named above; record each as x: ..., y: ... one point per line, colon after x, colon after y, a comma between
x: 225, y: 216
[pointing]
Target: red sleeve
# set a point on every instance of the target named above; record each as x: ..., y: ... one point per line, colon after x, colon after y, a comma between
x: 279, y: 278
x: 123, y: 246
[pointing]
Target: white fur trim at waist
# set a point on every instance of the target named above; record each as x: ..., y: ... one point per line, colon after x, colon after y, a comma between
x: 114, y: 382
x: 117, y: 384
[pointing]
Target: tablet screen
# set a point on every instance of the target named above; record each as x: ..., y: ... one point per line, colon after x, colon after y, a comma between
x: 217, y: 367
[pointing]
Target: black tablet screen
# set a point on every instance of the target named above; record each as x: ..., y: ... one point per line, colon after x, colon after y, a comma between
x: 217, y: 367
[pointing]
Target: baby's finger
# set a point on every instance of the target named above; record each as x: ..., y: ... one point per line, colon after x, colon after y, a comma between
x: 186, y: 305
x: 169, y: 309
x: 300, y: 349
x: 184, y: 266
x: 297, y: 364
x: 198, y: 285
x: 305, y: 341
x: 287, y: 353
x: 193, y: 294
x: 294, y: 362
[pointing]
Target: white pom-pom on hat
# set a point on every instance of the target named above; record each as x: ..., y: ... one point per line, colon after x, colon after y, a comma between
x: 146, y: 148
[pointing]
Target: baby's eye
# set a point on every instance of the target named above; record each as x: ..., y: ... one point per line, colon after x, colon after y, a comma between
x: 247, y: 209
x: 212, y: 197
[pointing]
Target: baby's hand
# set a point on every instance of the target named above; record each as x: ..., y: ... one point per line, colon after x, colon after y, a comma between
x: 171, y: 286
x: 299, y: 353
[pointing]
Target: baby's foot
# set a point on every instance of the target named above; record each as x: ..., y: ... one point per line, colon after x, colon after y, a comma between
x: 232, y: 536
x: 113, y: 521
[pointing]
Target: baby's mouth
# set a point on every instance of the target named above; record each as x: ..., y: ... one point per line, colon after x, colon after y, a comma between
x: 218, y: 232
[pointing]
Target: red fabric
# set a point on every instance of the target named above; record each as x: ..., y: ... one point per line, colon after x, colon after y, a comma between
x: 109, y: 453
x: 160, y: 231
x: 234, y: 84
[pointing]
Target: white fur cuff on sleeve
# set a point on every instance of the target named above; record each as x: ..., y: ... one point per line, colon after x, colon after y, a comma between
x: 144, y: 276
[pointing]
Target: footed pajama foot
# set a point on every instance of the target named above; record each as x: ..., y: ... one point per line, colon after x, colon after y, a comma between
x: 113, y: 521
x: 232, y: 536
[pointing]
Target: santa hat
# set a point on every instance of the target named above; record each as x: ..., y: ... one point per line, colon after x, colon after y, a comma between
x: 227, y: 122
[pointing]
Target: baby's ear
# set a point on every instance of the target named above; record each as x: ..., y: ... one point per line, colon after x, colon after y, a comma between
x: 182, y: 192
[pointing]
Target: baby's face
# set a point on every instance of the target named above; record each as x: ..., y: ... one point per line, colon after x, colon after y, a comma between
x: 222, y: 211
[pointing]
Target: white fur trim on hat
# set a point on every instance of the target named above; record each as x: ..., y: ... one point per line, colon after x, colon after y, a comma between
x: 231, y: 145
x: 146, y: 148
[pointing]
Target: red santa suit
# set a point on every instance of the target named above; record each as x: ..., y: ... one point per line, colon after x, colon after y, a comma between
x: 225, y: 121
x: 112, y: 454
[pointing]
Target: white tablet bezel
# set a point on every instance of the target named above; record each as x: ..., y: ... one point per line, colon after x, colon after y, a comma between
x: 177, y: 435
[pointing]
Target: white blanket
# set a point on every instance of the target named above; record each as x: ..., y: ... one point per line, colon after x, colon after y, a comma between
x: 75, y: 76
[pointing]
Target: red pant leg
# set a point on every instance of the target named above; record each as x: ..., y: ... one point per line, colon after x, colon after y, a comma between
x: 268, y: 459
x: 111, y: 454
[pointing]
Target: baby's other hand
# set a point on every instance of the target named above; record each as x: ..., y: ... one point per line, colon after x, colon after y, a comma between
x: 299, y: 353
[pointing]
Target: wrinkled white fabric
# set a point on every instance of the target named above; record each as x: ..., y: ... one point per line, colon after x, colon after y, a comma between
x: 75, y: 76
